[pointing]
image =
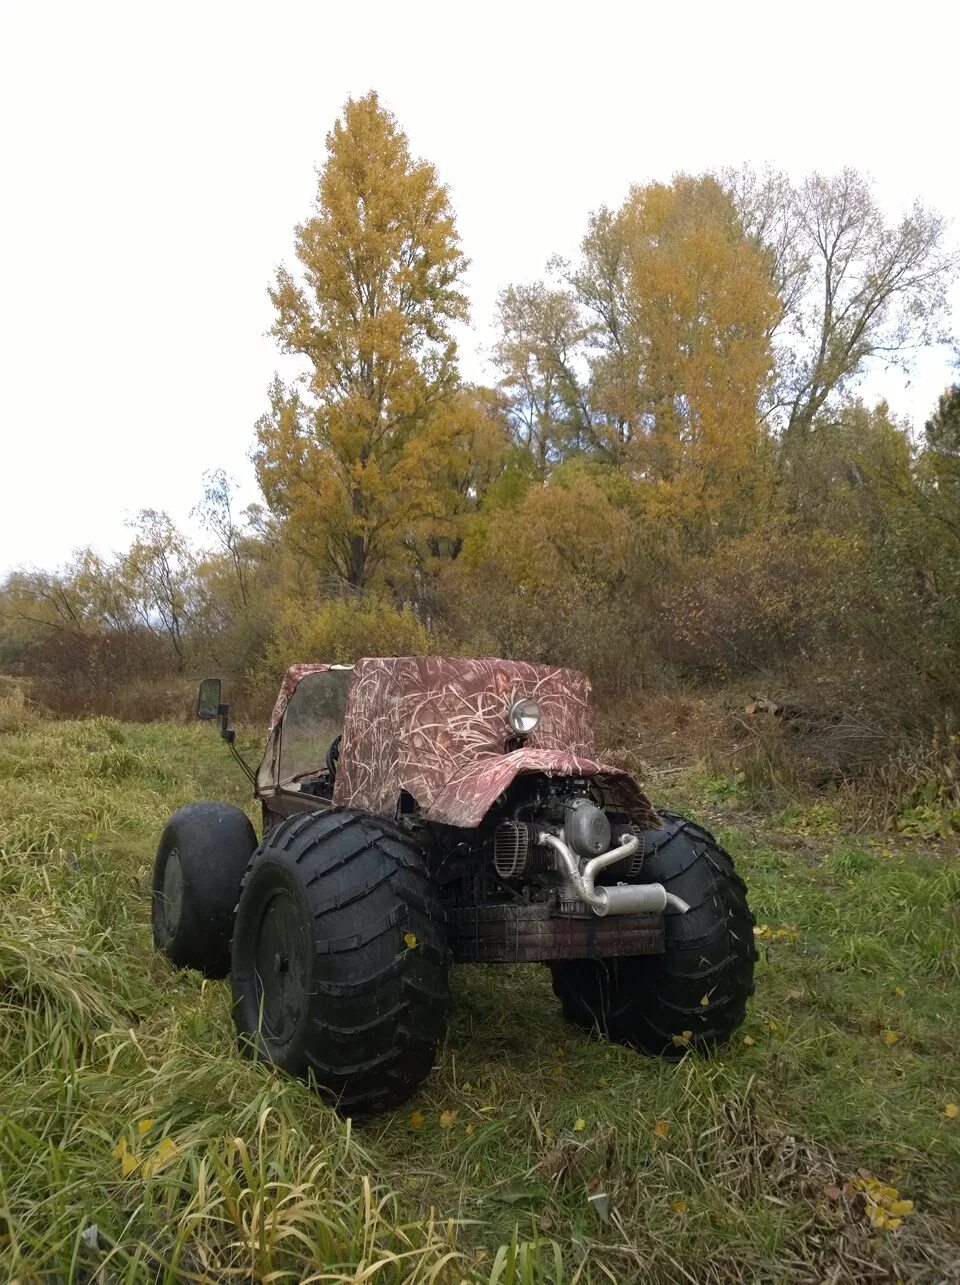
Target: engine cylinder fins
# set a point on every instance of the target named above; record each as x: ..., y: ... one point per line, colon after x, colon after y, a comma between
x: 627, y: 869
x: 516, y: 853
x: 631, y: 867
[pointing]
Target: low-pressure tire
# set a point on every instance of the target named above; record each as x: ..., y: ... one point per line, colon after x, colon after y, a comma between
x: 694, y: 995
x: 340, y: 959
x: 203, y: 852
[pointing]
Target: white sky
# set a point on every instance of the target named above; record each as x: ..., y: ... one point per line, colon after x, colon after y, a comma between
x: 154, y: 159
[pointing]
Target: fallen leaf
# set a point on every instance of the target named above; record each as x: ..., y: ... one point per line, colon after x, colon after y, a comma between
x: 411, y: 940
x: 951, y: 1110
x: 704, y: 1001
x: 128, y: 1161
x: 832, y: 1192
x: 579, y: 1125
x: 416, y: 1120
x: 748, y: 1040
x: 680, y: 1206
x: 164, y: 1152
x: 682, y: 1040
x: 447, y: 1118
x: 470, y: 1128
x: 144, y: 1127
x: 890, y: 1037
x: 900, y: 1208
x: 898, y: 990
x: 661, y: 1128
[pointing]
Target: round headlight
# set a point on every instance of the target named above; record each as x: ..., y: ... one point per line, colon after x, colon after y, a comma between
x: 525, y: 716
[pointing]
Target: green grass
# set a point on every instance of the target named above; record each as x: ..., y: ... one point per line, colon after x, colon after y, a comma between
x: 532, y: 1154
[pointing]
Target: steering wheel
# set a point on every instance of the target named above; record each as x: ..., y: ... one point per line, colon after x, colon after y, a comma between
x: 332, y: 757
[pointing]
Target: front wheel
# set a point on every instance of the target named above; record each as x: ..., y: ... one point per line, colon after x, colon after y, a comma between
x: 695, y: 994
x: 340, y: 959
x: 203, y: 852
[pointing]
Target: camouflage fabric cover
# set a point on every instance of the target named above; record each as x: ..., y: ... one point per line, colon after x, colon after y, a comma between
x: 436, y: 729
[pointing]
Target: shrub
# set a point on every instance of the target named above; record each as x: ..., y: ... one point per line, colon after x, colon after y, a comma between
x: 342, y: 630
x: 16, y: 712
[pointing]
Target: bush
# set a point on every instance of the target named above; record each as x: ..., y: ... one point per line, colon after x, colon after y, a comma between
x: 341, y: 631
x: 16, y: 712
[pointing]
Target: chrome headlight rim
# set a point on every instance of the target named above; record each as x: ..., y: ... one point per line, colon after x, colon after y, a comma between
x: 525, y: 715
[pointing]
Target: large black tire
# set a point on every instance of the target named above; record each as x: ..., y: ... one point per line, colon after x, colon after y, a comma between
x: 203, y: 852
x: 340, y: 959
x: 695, y: 994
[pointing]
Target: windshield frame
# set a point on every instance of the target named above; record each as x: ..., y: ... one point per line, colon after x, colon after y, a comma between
x: 271, y: 773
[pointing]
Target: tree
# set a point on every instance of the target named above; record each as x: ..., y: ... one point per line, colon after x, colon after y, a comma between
x: 85, y: 596
x: 680, y: 306
x: 939, y: 476
x: 601, y: 282
x: 372, y: 315
x: 854, y: 285
x: 942, y: 445
x: 463, y: 454
x: 158, y: 568
x: 655, y: 355
x: 216, y: 514
x: 540, y: 331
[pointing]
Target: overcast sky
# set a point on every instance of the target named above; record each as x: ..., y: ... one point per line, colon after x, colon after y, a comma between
x: 154, y: 159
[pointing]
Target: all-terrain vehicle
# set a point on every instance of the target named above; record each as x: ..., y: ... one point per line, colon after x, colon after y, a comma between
x: 420, y: 811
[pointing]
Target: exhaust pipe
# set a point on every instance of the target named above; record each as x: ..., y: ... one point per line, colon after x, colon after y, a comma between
x: 623, y: 898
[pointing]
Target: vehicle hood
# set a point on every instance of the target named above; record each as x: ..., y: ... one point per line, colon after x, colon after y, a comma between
x: 467, y: 797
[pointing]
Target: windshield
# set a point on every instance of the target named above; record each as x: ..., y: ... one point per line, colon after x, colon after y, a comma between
x: 313, y: 718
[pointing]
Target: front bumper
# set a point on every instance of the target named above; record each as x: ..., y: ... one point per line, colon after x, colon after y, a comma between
x: 537, y: 933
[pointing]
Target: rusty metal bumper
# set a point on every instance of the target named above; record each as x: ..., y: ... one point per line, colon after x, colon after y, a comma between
x: 527, y: 934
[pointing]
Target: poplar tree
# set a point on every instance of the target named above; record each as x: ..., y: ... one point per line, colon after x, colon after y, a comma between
x: 343, y: 454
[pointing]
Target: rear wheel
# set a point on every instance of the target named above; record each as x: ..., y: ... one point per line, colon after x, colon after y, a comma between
x: 340, y: 959
x: 203, y: 852
x: 695, y: 994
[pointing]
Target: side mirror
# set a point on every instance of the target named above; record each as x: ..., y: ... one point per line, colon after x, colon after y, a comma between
x: 208, y: 699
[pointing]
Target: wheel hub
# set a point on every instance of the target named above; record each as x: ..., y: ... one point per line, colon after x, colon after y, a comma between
x: 172, y: 894
x: 281, y: 964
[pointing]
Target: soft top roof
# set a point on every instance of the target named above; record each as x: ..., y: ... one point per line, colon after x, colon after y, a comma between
x: 436, y: 729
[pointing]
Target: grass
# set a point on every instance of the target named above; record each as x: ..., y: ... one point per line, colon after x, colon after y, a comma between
x: 135, y: 1145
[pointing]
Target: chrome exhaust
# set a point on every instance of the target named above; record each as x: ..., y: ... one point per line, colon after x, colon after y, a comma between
x: 622, y: 898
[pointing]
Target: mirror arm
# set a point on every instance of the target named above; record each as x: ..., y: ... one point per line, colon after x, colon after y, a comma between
x: 229, y: 735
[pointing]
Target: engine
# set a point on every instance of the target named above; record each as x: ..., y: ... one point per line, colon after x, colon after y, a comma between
x: 565, y: 809
x: 553, y: 845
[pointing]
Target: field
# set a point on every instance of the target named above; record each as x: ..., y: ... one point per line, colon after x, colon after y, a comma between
x: 135, y: 1144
